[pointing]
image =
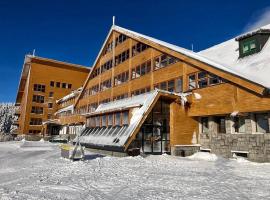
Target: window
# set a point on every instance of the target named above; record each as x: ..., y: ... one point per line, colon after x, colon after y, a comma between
x: 106, y: 66
x: 39, y: 88
x: 97, y: 119
x: 38, y: 99
x: 221, y: 126
x: 163, y: 61
x: 37, y: 110
x: 125, y: 118
x: 138, y: 48
x: 92, y: 122
x: 92, y: 107
x: 121, y: 78
x: 121, y: 57
x: 204, y: 121
x: 214, y: 79
x: 249, y: 46
x: 104, y: 120
x: 106, y: 100
x: 50, y: 105
x: 69, y: 86
x: 117, y: 119
x: 95, y: 72
x: 52, y: 83
x: 140, y: 91
x: 64, y: 85
x: 262, y: 123
x: 203, y: 79
x: 35, y: 121
x: 51, y: 94
x: 58, y: 84
x: 179, y: 85
x: 94, y: 90
x: 171, y: 86
x: 141, y: 70
x: 49, y: 116
x: 192, y: 81
x: 110, y: 119
x: 121, y: 96
x: 239, y: 124
x: 120, y: 39
x: 105, y: 85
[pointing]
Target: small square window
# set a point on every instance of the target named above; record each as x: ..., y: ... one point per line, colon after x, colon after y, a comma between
x: 64, y: 85
x: 69, y: 86
x: 58, y: 84
x: 50, y: 105
x: 51, y: 94
x: 52, y: 83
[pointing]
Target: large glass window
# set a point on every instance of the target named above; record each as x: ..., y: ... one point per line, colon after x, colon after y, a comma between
x: 138, y: 48
x: 125, y: 118
x: 163, y: 61
x: 110, y: 119
x: 104, y: 120
x: 179, y: 86
x: 203, y: 79
x: 239, y: 124
x: 205, y: 126
x: 220, y: 120
x: 97, y: 119
x: 262, y: 123
x: 192, y: 81
x: 117, y: 119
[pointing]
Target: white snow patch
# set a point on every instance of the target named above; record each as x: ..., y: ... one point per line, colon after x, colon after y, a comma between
x: 203, y: 156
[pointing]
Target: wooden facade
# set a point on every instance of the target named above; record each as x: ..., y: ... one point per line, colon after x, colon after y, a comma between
x: 43, y: 81
x: 153, y: 65
x: 130, y: 64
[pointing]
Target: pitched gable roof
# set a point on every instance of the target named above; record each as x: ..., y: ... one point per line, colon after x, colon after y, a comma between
x: 254, y: 67
x: 201, y: 57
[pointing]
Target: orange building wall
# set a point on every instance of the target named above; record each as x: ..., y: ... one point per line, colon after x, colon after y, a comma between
x: 42, y: 73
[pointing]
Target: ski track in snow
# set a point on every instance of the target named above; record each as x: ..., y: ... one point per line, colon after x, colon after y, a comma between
x: 38, y: 174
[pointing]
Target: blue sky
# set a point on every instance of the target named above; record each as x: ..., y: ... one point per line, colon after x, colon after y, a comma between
x: 74, y: 30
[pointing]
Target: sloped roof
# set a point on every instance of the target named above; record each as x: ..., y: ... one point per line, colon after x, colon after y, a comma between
x: 100, y: 139
x: 116, y: 138
x: 254, y: 67
x: 223, y: 57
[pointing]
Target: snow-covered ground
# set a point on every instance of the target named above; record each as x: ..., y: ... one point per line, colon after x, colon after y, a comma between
x: 34, y: 170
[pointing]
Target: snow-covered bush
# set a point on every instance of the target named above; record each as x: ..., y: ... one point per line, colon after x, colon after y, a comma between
x: 7, y: 117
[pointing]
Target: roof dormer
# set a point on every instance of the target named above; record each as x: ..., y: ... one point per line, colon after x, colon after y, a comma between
x: 252, y: 42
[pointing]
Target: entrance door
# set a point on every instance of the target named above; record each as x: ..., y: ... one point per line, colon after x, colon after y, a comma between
x: 155, y: 131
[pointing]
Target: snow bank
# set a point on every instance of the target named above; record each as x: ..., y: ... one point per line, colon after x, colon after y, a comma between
x: 36, y: 145
x: 203, y: 156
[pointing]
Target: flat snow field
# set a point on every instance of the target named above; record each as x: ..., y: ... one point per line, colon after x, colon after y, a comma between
x: 34, y: 170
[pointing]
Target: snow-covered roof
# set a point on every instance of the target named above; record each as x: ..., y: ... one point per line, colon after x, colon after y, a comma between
x: 223, y: 57
x: 118, y: 136
x: 123, y: 104
x: 145, y: 100
x: 68, y: 108
x: 70, y: 95
x: 254, y: 67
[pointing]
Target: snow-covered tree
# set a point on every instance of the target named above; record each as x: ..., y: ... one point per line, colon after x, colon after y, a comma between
x: 7, y: 117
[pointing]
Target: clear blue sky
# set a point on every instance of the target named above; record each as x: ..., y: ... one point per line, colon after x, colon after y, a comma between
x: 74, y: 30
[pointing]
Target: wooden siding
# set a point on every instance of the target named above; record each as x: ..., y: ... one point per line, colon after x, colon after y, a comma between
x: 182, y: 127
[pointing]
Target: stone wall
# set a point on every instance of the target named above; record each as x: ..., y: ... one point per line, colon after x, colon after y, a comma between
x: 257, y: 145
x: 184, y: 150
